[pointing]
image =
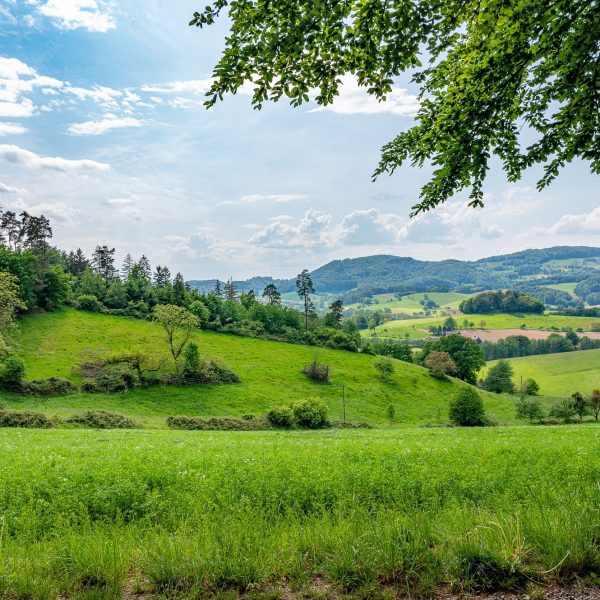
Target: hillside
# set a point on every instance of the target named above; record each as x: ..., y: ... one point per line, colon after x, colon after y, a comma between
x: 51, y: 345
x: 560, y: 374
x: 386, y: 273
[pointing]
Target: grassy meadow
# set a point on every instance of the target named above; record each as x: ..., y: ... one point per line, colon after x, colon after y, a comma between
x: 107, y: 515
x: 52, y: 345
x: 560, y: 374
x: 410, y: 304
x: 418, y: 328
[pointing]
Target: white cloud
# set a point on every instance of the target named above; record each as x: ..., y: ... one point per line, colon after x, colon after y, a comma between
x: 197, y: 86
x: 97, y: 93
x: 580, y: 223
x: 8, y: 189
x: 20, y: 156
x: 263, y: 199
x: 370, y: 227
x: 11, y: 129
x: 354, y: 100
x: 119, y: 201
x: 103, y: 126
x: 313, y: 230
x: 91, y: 15
x: 57, y: 212
x: 491, y: 232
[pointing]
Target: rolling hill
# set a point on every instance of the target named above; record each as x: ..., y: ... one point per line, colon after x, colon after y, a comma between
x: 51, y: 345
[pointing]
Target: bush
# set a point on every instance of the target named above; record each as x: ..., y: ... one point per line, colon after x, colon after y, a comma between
x: 466, y: 408
x: 13, y: 370
x: 316, y: 371
x: 102, y: 419
x: 311, y: 414
x: 281, y: 417
x: 531, y: 387
x: 440, y: 365
x: 88, y: 302
x: 350, y: 425
x: 217, y: 423
x: 191, y: 360
x: 53, y: 386
x: 563, y: 410
x: 529, y: 408
x: 385, y: 367
x: 499, y: 378
x: 213, y: 371
x: 24, y: 418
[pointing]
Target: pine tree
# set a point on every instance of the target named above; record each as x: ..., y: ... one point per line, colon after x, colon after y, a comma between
x: 271, y: 293
x: 217, y: 290
x: 179, y: 290
x: 128, y: 263
x: 230, y: 290
x: 103, y: 262
x: 145, y: 268
x: 305, y: 288
x: 162, y: 276
x: 336, y: 311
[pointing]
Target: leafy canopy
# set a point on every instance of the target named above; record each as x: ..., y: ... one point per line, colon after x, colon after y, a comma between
x: 515, y: 79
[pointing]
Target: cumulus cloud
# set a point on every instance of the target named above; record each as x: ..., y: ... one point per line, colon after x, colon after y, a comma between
x: 369, y: 227
x: 354, y: 100
x: 11, y: 129
x: 31, y: 160
x: 491, y: 232
x: 196, y: 86
x: 103, y: 126
x: 57, y: 212
x: 312, y: 230
x: 8, y: 189
x: 577, y: 223
x: 261, y: 198
x: 91, y: 15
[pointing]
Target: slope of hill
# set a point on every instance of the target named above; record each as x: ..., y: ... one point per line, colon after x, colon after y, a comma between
x: 51, y: 345
x: 560, y: 374
x: 386, y: 273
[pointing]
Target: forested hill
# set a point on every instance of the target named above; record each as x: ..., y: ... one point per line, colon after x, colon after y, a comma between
x: 387, y: 273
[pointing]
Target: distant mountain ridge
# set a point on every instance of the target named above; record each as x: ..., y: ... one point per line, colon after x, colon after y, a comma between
x: 355, y: 278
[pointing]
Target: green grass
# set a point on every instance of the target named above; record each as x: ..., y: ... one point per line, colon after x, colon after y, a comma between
x: 87, y: 514
x: 418, y: 328
x: 410, y: 304
x: 52, y: 343
x: 564, y: 287
x: 560, y: 374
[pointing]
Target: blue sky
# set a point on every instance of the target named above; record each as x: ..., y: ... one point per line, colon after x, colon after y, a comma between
x: 102, y: 129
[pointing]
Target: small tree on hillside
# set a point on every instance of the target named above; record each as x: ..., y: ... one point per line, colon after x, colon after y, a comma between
x: 231, y: 292
x: 499, y: 378
x: 594, y: 402
x: 178, y: 324
x: 530, y: 408
x: 440, y: 365
x: 334, y: 317
x: 384, y: 365
x: 466, y: 408
x: 579, y: 405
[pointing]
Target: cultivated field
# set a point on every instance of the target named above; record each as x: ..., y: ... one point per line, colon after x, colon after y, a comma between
x: 410, y: 304
x: 102, y: 515
x: 51, y: 345
x: 560, y: 374
x: 493, y: 335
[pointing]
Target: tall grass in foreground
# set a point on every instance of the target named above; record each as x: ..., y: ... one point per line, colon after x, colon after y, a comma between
x: 195, y: 514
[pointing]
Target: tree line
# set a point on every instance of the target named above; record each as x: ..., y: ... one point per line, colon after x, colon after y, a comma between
x: 502, y: 301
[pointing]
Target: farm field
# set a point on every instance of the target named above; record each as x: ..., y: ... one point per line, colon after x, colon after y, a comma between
x: 560, y: 374
x: 51, y: 345
x: 334, y: 514
x: 564, y: 287
x: 493, y: 335
x: 410, y: 304
x: 418, y: 328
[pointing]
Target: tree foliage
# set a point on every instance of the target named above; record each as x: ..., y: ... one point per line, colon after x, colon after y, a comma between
x: 517, y: 80
x: 466, y: 408
x: 178, y: 324
x: 499, y: 378
x: 466, y: 354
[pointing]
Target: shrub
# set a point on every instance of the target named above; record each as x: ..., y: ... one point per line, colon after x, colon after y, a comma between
x: 466, y: 408
x: 390, y: 412
x: 214, y: 371
x: 24, y: 418
x: 350, y: 425
x: 102, y: 419
x: 563, y: 410
x: 531, y: 387
x: 281, y: 417
x: 217, y: 423
x: 53, y: 386
x: 316, y: 371
x: 191, y: 360
x: 384, y: 365
x: 440, y: 365
x: 88, y: 302
x: 529, y: 408
x: 310, y: 413
x: 13, y: 370
x: 579, y: 405
x: 499, y: 378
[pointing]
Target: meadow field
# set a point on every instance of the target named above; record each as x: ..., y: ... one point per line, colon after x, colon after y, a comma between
x: 52, y: 344
x: 559, y: 374
x: 330, y: 514
x: 410, y: 304
x: 418, y: 328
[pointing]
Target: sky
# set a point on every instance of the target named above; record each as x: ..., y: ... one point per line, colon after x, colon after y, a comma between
x: 102, y: 129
